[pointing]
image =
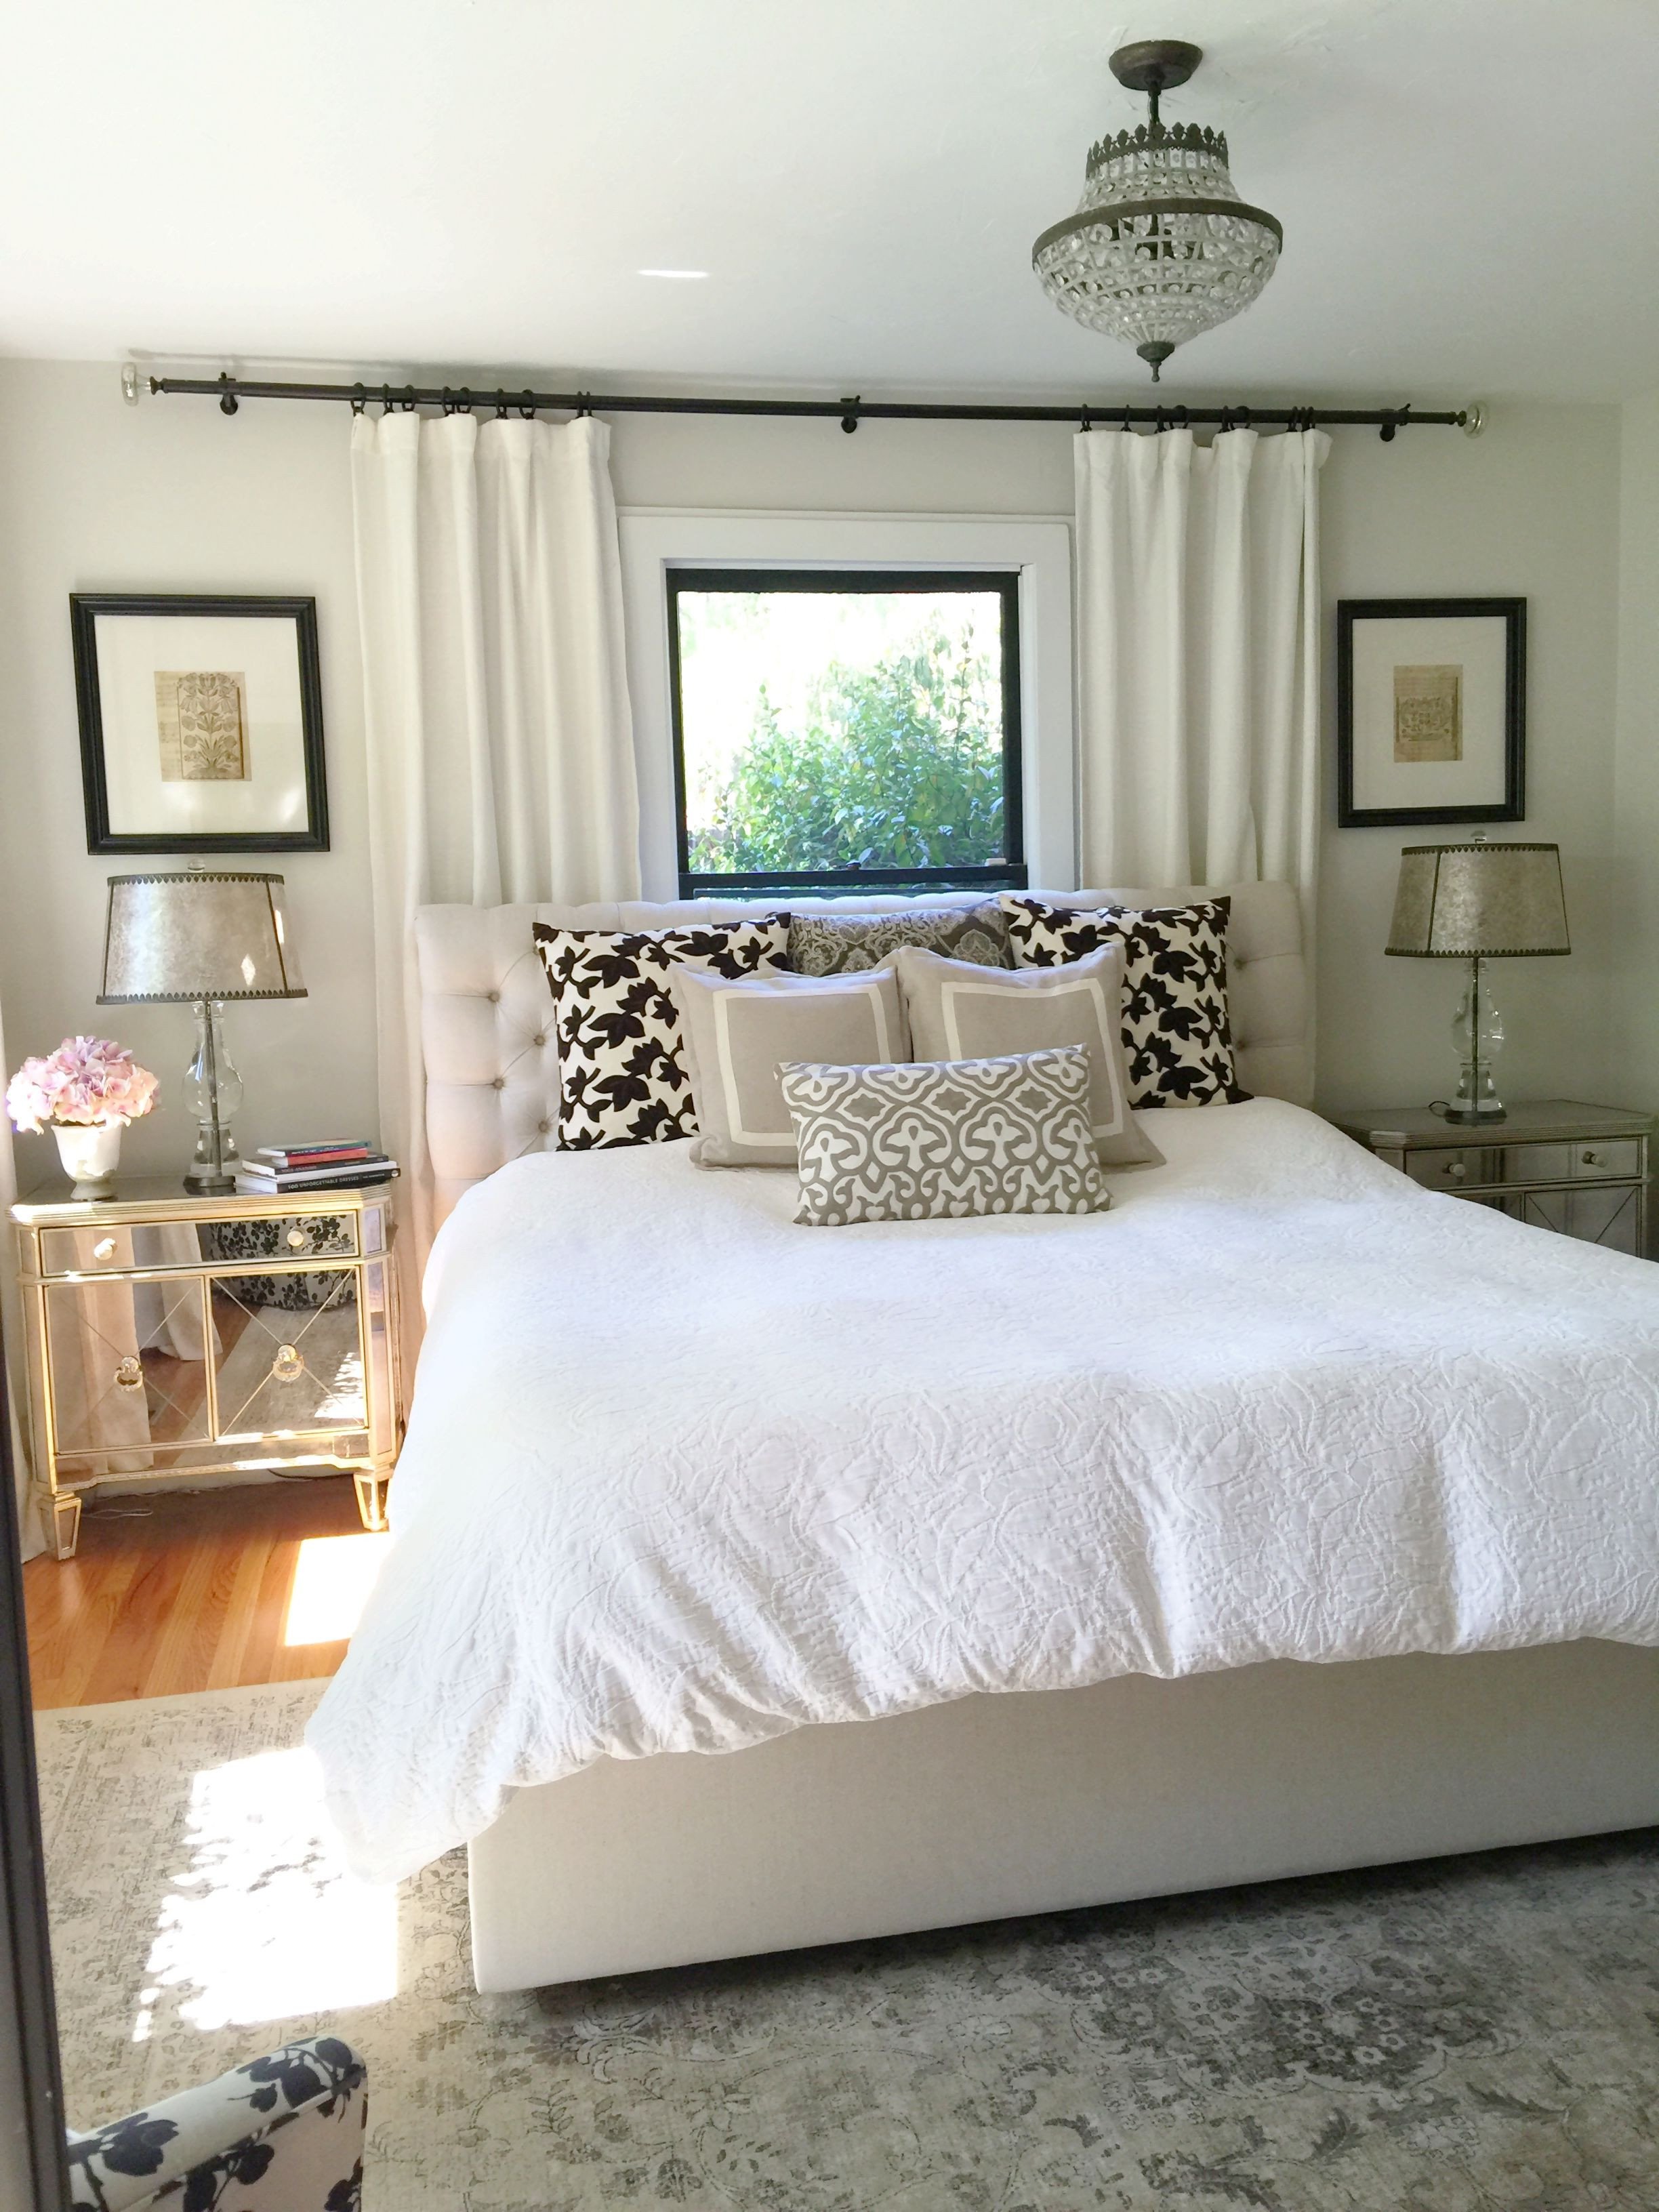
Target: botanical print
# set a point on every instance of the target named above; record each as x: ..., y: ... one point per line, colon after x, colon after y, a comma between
x: 1428, y: 713
x: 201, y: 719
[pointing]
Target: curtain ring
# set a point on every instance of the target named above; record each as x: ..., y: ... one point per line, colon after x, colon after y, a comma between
x: 1084, y: 418
x: 1181, y: 422
x: 1162, y: 422
x: 357, y: 398
x: 1226, y: 420
x: 449, y: 401
x: 1125, y: 421
x: 526, y: 406
x: 584, y: 404
x: 501, y: 404
x: 1244, y: 420
x: 385, y: 400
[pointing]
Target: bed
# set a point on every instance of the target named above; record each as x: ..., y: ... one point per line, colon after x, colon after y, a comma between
x: 756, y: 1587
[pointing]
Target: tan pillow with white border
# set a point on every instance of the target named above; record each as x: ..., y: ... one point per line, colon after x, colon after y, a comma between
x: 958, y: 1011
x: 738, y: 1031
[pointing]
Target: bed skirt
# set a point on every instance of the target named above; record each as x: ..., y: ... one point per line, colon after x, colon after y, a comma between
x: 995, y: 1806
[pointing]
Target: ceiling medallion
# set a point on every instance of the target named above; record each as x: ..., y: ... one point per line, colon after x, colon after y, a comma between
x: 1161, y: 247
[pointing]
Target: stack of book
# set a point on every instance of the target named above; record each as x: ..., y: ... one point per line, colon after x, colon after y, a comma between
x: 329, y: 1163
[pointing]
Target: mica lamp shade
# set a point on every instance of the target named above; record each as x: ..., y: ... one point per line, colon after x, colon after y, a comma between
x: 204, y: 935
x: 1478, y: 901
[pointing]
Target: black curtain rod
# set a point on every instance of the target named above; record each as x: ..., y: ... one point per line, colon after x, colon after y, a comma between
x: 460, y: 399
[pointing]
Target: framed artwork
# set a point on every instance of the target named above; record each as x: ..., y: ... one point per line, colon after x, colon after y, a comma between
x: 201, y: 723
x: 1430, y: 712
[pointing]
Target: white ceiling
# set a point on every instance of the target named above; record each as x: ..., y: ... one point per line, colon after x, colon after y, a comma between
x: 1470, y: 188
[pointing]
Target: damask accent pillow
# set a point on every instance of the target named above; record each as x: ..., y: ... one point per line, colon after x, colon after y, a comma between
x: 933, y: 1139
x: 1176, y: 1030
x: 959, y: 1011
x: 623, y: 1078
x: 840, y: 943
x: 739, y: 1031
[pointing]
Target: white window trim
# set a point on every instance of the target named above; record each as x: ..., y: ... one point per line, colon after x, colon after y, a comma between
x: 1038, y: 546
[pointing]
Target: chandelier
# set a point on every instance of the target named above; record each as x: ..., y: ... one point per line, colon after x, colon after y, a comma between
x: 1162, y: 247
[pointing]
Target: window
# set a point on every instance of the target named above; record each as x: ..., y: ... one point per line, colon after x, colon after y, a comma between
x: 846, y: 727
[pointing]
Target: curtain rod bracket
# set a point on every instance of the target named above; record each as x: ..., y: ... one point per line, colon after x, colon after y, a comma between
x: 228, y: 401
x: 849, y: 421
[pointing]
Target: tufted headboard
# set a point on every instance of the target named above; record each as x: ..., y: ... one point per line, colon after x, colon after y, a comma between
x: 487, y: 1027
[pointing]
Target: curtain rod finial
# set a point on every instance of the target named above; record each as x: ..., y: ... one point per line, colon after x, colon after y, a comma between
x: 130, y: 383
x: 1471, y: 419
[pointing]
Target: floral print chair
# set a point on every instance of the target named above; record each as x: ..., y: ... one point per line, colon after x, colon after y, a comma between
x: 283, y: 2134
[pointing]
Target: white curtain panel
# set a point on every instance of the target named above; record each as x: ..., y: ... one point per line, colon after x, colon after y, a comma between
x: 501, y: 754
x: 1198, y: 644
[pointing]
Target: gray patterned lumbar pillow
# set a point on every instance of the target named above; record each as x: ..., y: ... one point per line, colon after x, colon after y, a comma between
x: 840, y: 943
x: 959, y: 1011
x: 933, y: 1138
x: 737, y: 1031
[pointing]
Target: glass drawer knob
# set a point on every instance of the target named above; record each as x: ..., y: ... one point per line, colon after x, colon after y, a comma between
x: 104, y: 1248
x: 288, y: 1364
x: 297, y: 1240
x: 129, y: 1375
x: 1592, y: 1159
x: 1456, y: 1170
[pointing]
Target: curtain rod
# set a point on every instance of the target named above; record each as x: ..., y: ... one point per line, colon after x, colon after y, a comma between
x: 460, y: 399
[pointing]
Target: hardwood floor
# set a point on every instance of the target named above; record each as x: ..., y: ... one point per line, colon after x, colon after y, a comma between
x: 188, y: 1590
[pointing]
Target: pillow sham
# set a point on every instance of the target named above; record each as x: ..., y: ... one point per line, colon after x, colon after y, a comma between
x: 839, y: 944
x: 933, y: 1141
x: 622, y: 1077
x: 737, y: 1031
x: 1176, y: 1030
x: 959, y: 1011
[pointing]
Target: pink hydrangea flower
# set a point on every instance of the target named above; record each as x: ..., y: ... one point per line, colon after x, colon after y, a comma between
x: 88, y: 1080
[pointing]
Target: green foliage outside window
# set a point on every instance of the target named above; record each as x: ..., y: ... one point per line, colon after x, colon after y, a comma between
x: 898, y: 765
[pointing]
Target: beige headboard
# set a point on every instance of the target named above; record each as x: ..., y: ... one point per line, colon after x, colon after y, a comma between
x: 487, y: 1029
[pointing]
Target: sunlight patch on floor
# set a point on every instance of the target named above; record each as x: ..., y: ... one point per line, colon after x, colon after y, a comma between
x: 332, y: 1579
x: 266, y: 1924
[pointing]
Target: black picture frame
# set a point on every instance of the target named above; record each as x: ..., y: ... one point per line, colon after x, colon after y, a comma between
x: 1512, y: 807
x: 85, y: 610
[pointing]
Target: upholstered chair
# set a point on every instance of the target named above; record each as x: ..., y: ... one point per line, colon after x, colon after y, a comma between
x: 282, y: 2134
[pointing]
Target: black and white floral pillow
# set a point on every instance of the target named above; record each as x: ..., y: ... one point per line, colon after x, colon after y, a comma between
x: 622, y: 1066
x: 1177, y: 1034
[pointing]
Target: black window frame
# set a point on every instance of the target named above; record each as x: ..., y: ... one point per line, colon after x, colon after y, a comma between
x: 1012, y: 873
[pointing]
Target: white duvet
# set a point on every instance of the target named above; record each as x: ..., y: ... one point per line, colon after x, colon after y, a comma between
x: 681, y: 1476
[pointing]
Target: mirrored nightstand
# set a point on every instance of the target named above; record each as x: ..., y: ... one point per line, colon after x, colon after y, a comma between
x: 1581, y: 1170
x: 172, y: 1337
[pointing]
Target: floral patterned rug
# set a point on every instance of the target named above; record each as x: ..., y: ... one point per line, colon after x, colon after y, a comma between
x: 1472, y: 2035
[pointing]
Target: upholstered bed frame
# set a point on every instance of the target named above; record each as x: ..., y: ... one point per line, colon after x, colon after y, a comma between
x: 1001, y: 1805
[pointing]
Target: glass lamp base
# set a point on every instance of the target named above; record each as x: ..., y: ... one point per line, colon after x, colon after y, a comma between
x: 1476, y: 1117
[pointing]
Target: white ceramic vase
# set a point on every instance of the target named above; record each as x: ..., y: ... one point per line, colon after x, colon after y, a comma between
x: 89, y: 1152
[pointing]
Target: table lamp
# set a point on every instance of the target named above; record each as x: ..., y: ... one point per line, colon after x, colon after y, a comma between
x: 199, y: 940
x: 1478, y: 901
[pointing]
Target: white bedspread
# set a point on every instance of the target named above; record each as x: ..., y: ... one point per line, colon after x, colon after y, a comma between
x: 681, y: 1476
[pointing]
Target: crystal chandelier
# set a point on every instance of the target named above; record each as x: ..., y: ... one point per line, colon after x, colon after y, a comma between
x: 1161, y: 247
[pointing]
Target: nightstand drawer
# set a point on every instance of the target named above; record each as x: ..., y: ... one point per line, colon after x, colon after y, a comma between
x: 1616, y: 1157
x: 1465, y: 1167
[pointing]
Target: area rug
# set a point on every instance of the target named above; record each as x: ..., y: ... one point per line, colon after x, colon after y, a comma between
x: 1472, y: 2035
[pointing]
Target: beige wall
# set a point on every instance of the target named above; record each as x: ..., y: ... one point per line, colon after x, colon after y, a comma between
x: 1634, y: 879
x: 169, y: 495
